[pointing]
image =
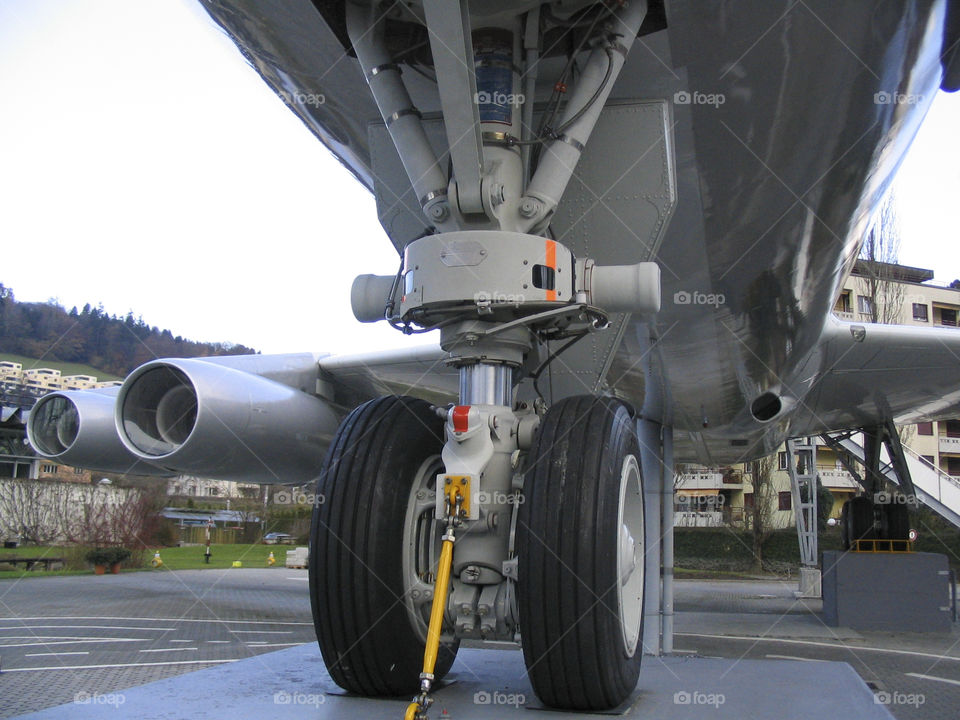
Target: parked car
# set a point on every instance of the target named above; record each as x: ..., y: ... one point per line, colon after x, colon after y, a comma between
x: 275, y: 538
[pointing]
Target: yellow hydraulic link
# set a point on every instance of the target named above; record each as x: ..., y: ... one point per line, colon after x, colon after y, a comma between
x: 456, y: 489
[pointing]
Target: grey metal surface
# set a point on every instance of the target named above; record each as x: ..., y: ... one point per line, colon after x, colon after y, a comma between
x: 887, y: 591
x: 204, y: 418
x: 452, y: 49
x: 486, y: 684
x: 873, y: 371
x: 765, y: 224
x: 802, y: 467
x: 76, y: 427
x: 486, y: 384
x: 596, y: 81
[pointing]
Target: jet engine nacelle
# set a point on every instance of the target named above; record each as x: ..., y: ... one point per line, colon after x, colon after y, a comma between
x: 77, y: 427
x: 210, y: 418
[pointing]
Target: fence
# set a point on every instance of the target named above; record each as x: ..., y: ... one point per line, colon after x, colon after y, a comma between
x: 197, y: 534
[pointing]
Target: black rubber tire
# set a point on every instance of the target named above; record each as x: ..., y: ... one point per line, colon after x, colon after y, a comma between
x: 567, y: 535
x: 845, y: 526
x: 896, y: 520
x: 860, y: 519
x: 366, y: 637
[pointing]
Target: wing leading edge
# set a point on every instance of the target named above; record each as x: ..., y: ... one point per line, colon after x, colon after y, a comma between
x: 870, y: 374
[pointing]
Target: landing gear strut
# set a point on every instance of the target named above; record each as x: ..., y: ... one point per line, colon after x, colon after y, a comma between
x: 557, y: 551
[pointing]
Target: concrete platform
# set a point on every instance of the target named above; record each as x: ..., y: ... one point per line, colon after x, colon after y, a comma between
x: 489, y: 684
x: 899, y: 592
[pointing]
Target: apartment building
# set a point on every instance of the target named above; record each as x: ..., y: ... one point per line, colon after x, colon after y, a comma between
x: 874, y: 292
x: 37, y: 381
x: 192, y: 486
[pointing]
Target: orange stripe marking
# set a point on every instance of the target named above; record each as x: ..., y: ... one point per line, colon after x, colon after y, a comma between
x: 551, y: 262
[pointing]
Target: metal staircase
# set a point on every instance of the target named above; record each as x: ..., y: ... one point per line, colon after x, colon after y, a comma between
x: 934, y: 488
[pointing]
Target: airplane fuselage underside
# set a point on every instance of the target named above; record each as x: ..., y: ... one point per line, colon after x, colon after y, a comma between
x: 786, y: 123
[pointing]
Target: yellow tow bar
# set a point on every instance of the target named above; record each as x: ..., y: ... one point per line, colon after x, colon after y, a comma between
x: 456, y: 490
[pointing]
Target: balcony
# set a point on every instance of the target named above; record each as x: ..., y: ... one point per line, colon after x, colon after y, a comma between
x: 847, y: 316
x: 837, y: 479
x: 700, y: 481
x: 697, y: 519
x: 950, y: 445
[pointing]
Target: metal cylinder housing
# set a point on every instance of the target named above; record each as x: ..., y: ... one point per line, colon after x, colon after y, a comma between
x: 76, y: 427
x: 202, y: 417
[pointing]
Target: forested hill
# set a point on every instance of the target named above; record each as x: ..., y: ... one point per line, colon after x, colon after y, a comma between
x: 114, y: 344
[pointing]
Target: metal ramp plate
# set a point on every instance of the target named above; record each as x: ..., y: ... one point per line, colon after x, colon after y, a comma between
x: 491, y: 684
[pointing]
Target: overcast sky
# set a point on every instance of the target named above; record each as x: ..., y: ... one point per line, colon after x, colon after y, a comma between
x: 145, y: 166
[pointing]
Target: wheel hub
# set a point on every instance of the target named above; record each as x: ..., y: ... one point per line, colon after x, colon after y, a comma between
x: 630, y: 544
x: 627, y: 555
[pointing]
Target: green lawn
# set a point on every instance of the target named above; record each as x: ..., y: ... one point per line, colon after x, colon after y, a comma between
x: 221, y: 556
x: 65, y: 368
x: 174, y: 558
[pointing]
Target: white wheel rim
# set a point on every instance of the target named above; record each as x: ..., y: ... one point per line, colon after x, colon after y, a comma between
x: 421, y: 545
x: 630, y: 554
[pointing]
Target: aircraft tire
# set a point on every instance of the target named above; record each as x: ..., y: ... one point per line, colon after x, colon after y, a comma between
x: 580, y: 531
x: 896, y: 517
x: 858, y: 517
x: 366, y: 635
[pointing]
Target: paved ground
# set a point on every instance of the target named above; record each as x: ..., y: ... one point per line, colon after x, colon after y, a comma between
x: 916, y: 675
x: 64, y: 639
x: 69, y: 638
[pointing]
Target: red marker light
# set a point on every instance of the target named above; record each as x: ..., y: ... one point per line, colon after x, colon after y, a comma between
x: 460, y: 418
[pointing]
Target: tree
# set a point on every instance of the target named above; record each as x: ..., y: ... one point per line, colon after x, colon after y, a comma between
x: 33, y: 510
x: 879, y: 254
x: 93, y: 337
x: 759, y: 517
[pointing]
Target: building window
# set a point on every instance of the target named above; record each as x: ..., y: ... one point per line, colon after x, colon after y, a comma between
x: 920, y: 312
x: 953, y: 466
x: 865, y: 304
x: 843, y: 302
x: 748, y: 501
x: 782, y: 460
x: 784, y: 501
x: 78, y: 471
x: 929, y: 459
x: 48, y: 468
x: 948, y: 317
x: 925, y: 428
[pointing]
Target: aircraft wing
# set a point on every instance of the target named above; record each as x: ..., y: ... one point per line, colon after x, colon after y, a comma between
x: 420, y: 371
x: 869, y: 374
